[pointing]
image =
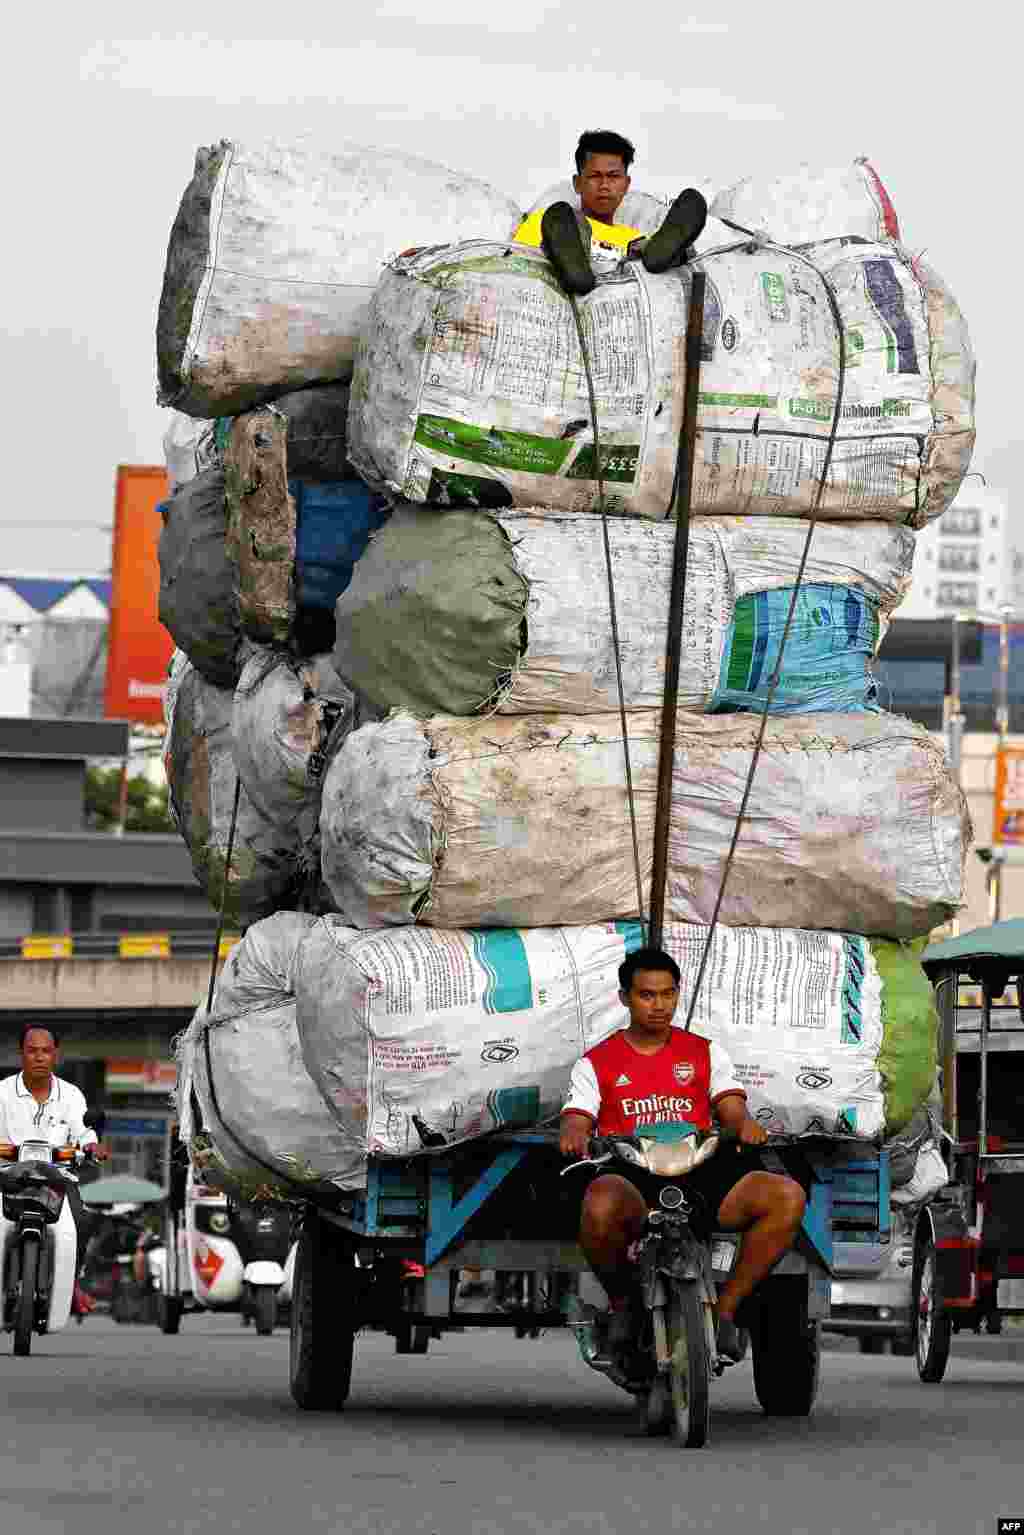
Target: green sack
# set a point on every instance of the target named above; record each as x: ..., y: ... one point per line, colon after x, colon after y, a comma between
x: 907, y: 1061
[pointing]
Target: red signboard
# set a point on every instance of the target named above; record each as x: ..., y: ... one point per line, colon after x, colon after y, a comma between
x: 1008, y: 824
x: 139, y: 647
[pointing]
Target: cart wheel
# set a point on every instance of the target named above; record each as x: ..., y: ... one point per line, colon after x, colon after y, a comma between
x: 656, y: 1407
x: 168, y: 1314
x: 323, y: 1323
x: 787, y: 1350
x: 933, y: 1327
x: 265, y: 1310
x: 690, y: 1370
x: 25, y: 1306
x: 413, y: 1340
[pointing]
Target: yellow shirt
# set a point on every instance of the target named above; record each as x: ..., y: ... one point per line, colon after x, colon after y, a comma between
x: 616, y: 237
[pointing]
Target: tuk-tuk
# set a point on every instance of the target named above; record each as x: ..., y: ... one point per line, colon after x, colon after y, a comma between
x: 968, y: 1264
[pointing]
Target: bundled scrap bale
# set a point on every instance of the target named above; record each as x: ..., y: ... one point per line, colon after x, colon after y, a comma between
x: 201, y: 774
x: 450, y: 612
x: 855, y: 822
x: 415, y: 1033
x: 811, y: 204
x: 269, y: 1127
x: 274, y: 255
x: 470, y: 388
x: 294, y: 540
x: 770, y: 379
x: 289, y: 717
x: 198, y: 601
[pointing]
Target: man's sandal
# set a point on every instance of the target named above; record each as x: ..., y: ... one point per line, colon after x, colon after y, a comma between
x: 683, y: 224
x: 562, y: 244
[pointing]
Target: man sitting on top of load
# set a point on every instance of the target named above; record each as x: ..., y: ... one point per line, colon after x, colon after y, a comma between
x: 568, y: 238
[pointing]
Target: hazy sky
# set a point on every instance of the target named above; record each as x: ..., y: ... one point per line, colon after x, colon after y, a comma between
x: 104, y: 106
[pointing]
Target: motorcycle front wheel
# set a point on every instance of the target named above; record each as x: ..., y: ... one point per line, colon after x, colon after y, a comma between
x: 690, y: 1368
x: 25, y: 1305
x: 264, y: 1310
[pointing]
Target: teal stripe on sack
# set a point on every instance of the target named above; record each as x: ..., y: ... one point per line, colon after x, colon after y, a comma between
x: 852, y: 1002
x: 501, y: 954
x: 514, y: 1106
x: 632, y: 935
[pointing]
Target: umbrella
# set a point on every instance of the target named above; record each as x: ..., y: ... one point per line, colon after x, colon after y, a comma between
x: 123, y: 1190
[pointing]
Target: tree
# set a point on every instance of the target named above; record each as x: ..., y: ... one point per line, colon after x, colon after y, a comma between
x: 147, y: 809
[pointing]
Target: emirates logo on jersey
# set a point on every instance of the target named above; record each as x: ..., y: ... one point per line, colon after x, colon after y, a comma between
x: 683, y: 1071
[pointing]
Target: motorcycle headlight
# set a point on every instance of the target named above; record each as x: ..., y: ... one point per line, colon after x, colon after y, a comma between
x: 220, y: 1221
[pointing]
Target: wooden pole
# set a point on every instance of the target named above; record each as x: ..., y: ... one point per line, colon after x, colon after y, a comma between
x: 683, y: 498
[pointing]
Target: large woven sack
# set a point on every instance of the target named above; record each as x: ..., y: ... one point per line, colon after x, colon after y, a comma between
x: 809, y: 204
x: 198, y: 602
x: 449, y: 612
x: 288, y: 717
x: 418, y: 1033
x: 770, y: 380
x: 274, y: 255
x: 854, y: 823
x: 470, y: 389
x: 201, y: 776
x: 269, y: 1126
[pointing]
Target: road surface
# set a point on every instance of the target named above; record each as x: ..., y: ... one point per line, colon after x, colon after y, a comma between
x: 120, y: 1431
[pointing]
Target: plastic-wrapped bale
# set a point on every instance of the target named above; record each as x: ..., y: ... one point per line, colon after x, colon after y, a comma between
x: 201, y: 774
x: 198, y: 605
x: 854, y: 823
x: 810, y: 204
x: 417, y: 1033
x: 289, y: 717
x: 293, y: 541
x: 770, y: 378
x: 190, y: 446
x: 449, y: 612
x: 268, y: 1124
x: 274, y: 255
x: 470, y: 388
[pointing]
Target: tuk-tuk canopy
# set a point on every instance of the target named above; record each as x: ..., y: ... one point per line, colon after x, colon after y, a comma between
x: 992, y: 956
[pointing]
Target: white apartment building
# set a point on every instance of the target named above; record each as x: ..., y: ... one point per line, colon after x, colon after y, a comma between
x: 971, y: 559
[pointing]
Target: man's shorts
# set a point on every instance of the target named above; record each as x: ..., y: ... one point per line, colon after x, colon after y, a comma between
x: 705, y: 1187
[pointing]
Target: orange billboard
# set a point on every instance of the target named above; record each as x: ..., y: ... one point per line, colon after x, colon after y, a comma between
x: 139, y: 647
x: 1008, y: 824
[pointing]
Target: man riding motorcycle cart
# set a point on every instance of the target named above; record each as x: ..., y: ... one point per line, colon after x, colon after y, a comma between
x: 42, y: 1121
x: 666, y: 1084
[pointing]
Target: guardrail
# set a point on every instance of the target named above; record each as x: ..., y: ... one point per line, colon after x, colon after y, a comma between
x: 169, y: 945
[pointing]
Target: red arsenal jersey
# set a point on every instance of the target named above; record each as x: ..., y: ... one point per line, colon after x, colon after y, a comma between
x: 628, y: 1093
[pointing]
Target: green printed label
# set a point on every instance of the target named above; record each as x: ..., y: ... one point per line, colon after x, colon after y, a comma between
x: 515, y: 451
x: 811, y: 410
x: 744, y: 401
x: 775, y: 299
x: 618, y: 464
x: 854, y: 348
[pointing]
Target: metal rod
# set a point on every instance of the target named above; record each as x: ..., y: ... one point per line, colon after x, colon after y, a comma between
x: 986, y: 1019
x: 677, y: 599
x: 946, y: 998
x: 1003, y: 711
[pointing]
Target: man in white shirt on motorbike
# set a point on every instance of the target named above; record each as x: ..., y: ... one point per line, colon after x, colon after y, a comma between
x: 36, y: 1104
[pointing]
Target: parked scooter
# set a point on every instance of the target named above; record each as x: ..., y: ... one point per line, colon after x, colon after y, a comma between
x: 219, y: 1255
x: 38, y: 1239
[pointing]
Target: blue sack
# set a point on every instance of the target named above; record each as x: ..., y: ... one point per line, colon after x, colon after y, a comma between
x: 334, y: 521
x: 831, y: 642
